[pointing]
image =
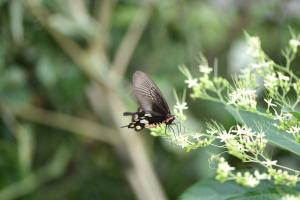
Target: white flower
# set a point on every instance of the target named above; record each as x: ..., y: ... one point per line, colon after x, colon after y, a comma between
x: 262, y: 64
x: 294, y: 129
x: 254, y: 48
x: 243, y: 130
x: 247, y: 140
x: 243, y: 97
x: 212, y: 132
x: 197, y: 136
x: 271, y: 81
x: 263, y: 176
x: 224, y: 167
x: 260, y: 135
x: 294, y: 43
x: 181, y: 106
x: 269, y: 103
x: 251, y: 181
x: 182, y: 140
x: 256, y: 66
x: 279, y: 117
x: 269, y: 163
x: 282, y: 77
x: 191, y: 82
x: 225, y: 136
x: 205, y: 69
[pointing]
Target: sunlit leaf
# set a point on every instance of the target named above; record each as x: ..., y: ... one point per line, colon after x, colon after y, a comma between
x: 212, y: 190
x: 296, y: 115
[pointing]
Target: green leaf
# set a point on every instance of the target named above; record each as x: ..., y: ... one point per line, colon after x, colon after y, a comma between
x: 212, y: 190
x: 261, y: 123
x: 296, y: 115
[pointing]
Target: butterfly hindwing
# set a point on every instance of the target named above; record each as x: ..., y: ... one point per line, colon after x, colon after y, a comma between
x: 140, y: 120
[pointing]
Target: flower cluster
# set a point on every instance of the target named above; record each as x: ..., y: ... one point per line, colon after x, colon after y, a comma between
x: 226, y: 172
x: 243, y: 98
x: 283, y: 177
x: 254, y: 47
x: 180, y: 106
x: 277, y: 83
x: 206, y: 86
x: 294, y: 43
x: 187, y: 141
x: 245, y: 141
x: 192, y: 140
x: 295, y: 131
x: 288, y: 123
x: 290, y: 197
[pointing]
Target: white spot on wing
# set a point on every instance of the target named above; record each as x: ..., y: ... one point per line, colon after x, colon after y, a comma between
x: 143, y: 121
x: 138, y: 127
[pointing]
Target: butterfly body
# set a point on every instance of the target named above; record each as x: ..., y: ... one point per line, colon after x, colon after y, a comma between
x: 153, y: 109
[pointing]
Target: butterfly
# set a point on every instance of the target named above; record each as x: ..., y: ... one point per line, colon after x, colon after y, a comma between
x: 153, y: 109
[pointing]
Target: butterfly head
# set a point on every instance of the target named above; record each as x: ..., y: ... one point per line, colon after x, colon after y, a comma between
x: 169, y: 119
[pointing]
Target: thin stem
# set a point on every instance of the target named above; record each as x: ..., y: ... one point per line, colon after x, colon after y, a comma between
x: 287, y: 71
x: 130, y: 40
x: 289, y: 169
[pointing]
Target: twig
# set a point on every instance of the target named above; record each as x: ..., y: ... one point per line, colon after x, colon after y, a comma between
x: 140, y: 172
x: 105, y: 11
x: 141, y: 175
x: 130, y: 40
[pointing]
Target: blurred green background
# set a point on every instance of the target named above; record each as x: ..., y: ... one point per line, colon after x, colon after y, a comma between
x: 65, y: 73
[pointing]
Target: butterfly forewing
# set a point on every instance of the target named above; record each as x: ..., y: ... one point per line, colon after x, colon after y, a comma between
x: 148, y: 95
x: 153, y: 109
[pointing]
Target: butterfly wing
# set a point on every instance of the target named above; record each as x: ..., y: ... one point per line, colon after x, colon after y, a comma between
x: 149, y: 96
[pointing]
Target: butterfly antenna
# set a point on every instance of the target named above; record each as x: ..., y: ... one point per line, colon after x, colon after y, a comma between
x: 128, y: 113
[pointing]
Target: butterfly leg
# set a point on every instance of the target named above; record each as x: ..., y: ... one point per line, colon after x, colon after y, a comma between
x: 166, y: 129
x: 171, y: 129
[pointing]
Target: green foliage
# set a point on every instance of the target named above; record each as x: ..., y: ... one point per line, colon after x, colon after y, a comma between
x: 59, y: 125
x: 211, y: 189
x: 247, y: 141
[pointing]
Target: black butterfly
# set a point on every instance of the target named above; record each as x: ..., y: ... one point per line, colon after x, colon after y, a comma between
x: 153, y: 108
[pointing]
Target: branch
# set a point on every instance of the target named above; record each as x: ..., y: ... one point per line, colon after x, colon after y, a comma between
x: 141, y: 175
x: 139, y: 172
x: 65, y: 122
